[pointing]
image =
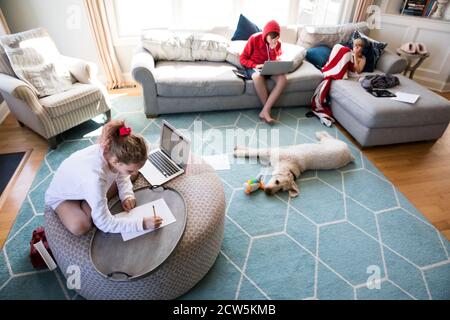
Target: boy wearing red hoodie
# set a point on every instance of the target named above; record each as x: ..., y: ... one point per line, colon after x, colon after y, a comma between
x: 263, y: 46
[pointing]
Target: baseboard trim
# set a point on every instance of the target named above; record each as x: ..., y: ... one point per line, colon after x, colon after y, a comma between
x: 433, y: 84
x: 127, y: 77
x: 4, y: 111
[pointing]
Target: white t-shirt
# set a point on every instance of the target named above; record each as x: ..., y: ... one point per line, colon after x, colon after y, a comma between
x: 85, y: 175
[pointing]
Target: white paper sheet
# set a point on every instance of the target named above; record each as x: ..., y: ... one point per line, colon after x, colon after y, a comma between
x: 146, y: 210
x: 406, y: 97
x: 218, y: 162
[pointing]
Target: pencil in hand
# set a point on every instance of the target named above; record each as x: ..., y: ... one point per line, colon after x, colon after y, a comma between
x: 156, y: 219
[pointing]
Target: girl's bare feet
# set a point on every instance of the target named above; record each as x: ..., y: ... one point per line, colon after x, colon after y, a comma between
x: 265, y: 116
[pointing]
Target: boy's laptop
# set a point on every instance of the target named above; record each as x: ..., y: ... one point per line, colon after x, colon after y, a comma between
x: 170, y: 159
x: 276, y: 67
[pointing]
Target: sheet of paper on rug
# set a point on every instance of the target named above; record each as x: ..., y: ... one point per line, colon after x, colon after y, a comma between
x: 218, y: 162
x: 406, y: 97
x: 146, y: 210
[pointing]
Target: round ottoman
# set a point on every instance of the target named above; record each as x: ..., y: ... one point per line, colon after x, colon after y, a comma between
x: 194, y: 255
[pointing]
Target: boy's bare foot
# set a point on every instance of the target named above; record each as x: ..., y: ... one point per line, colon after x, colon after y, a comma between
x: 266, y: 118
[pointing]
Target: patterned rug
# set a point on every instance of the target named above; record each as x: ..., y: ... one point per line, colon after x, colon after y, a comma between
x: 349, y: 235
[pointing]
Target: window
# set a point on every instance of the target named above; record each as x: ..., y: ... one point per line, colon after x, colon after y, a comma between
x: 129, y: 17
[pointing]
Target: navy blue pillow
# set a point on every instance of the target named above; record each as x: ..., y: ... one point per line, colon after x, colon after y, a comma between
x: 245, y: 28
x: 318, y: 56
x: 372, y: 52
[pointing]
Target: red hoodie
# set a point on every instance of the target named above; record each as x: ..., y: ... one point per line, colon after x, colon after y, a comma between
x: 257, y: 50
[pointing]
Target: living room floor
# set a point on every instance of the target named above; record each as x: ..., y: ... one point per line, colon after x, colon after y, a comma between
x: 421, y: 171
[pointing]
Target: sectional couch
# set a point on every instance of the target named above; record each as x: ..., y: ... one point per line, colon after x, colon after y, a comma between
x: 173, y: 85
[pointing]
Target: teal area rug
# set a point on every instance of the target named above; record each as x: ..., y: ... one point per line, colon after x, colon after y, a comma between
x: 349, y: 235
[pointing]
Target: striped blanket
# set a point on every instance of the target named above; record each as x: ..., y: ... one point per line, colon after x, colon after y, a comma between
x: 335, y: 69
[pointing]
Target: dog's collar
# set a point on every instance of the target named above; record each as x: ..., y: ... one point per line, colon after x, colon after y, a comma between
x: 293, y: 174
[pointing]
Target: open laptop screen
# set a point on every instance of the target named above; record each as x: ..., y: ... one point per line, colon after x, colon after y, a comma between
x: 175, y: 146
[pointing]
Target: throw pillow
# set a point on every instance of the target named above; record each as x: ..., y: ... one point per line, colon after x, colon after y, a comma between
x: 5, y: 66
x: 372, y: 52
x: 36, y: 61
x: 313, y: 36
x: 209, y: 46
x: 168, y: 44
x: 245, y: 28
x: 292, y: 52
x: 318, y: 56
x: 234, y: 52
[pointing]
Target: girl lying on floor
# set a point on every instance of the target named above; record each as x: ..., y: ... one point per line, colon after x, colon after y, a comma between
x: 84, y: 182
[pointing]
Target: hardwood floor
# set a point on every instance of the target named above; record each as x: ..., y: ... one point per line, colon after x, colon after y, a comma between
x: 14, y: 138
x: 421, y: 171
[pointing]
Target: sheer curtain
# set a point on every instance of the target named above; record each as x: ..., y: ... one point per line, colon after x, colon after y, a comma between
x: 101, y: 31
x: 3, y: 25
x: 361, y: 10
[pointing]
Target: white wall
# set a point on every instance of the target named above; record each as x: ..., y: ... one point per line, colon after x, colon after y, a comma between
x: 65, y: 20
x: 435, y: 34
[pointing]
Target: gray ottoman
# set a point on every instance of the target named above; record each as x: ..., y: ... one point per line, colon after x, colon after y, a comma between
x: 194, y: 255
x: 379, y: 121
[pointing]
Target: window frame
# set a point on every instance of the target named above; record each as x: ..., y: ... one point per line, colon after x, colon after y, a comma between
x: 345, y: 16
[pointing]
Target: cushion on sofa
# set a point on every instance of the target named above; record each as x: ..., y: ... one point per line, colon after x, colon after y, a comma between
x: 305, y: 78
x: 234, y: 52
x: 313, y: 36
x: 5, y: 66
x: 209, y: 47
x: 36, y: 60
x: 168, y: 44
x: 245, y: 28
x: 374, y: 112
x: 318, y: 56
x: 289, y: 33
x: 61, y: 103
x: 200, y: 78
x: 293, y: 52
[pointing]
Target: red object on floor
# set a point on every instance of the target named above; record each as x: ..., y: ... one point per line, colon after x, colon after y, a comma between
x: 35, y: 257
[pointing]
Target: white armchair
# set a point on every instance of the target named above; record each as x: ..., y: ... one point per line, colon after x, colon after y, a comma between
x: 52, y: 115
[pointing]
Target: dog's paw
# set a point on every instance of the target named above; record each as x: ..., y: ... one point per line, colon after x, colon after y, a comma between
x: 322, y: 134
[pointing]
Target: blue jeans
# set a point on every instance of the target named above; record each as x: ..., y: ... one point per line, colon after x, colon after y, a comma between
x: 250, y: 71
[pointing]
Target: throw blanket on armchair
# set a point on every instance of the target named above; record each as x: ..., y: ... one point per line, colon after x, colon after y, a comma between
x: 335, y: 69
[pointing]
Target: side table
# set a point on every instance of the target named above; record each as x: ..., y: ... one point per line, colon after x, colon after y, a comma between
x: 414, y: 61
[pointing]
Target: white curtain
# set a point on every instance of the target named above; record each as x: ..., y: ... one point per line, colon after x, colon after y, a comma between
x: 3, y: 25
x: 361, y: 10
x: 101, y: 31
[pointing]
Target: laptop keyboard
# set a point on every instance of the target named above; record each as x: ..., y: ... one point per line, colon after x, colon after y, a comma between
x: 159, y: 160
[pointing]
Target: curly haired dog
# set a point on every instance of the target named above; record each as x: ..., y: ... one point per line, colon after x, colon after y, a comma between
x: 289, y: 163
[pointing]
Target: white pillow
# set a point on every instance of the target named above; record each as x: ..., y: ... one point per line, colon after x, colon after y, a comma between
x: 36, y: 60
x: 312, y: 36
x: 168, y: 45
x: 209, y: 46
x: 292, y: 52
x: 234, y: 52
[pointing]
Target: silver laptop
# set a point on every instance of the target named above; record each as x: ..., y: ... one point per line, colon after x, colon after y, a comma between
x: 276, y: 67
x: 170, y: 159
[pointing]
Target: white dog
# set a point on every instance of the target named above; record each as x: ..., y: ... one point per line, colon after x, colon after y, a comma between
x: 289, y: 163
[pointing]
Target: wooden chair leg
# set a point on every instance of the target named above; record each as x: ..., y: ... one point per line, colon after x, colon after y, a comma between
x: 108, y: 115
